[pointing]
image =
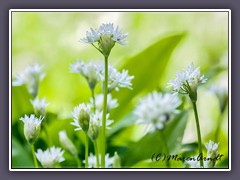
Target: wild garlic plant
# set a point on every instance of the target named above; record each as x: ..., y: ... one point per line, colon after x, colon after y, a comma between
x: 186, y: 82
x: 31, y: 78
x: 92, y: 118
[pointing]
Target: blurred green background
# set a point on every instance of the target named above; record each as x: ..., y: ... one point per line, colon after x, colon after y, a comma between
x: 159, y: 44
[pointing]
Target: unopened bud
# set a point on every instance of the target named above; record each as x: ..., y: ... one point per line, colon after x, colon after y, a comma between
x: 32, y: 127
x: 116, y: 161
x: 67, y: 143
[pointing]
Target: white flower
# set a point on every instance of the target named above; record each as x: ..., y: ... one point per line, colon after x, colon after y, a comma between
x: 96, y: 123
x: 212, y: 148
x: 32, y: 127
x: 111, y: 103
x: 81, y: 117
x: 67, y: 143
x: 105, y: 38
x: 88, y: 70
x: 92, y: 161
x: 105, y: 29
x: 190, y: 77
x: 212, y: 152
x: 116, y: 79
x: 39, y: 106
x: 31, y: 77
x: 97, y: 117
x: 50, y: 157
x: 156, y: 108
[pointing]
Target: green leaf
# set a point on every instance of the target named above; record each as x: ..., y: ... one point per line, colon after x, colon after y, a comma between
x: 21, y: 156
x: 20, y: 103
x: 147, y: 67
x: 153, y: 143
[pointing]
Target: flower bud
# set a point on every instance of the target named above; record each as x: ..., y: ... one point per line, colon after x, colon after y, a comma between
x: 212, y: 152
x: 94, y: 129
x: 32, y: 127
x: 67, y: 143
x: 106, y: 44
x: 116, y: 161
x: 81, y: 117
x: 83, y: 120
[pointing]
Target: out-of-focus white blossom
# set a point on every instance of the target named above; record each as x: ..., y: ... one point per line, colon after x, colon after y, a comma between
x: 156, y: 108
x: 50, y: 157
x: 39, y: 106
x: 92, y: 161
x: 31, y: 77
x: 88, y: 70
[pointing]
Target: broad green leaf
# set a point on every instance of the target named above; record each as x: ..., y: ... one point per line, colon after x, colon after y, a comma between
x: 147, y: 67
x: 123, y: 123
x: 20, y: 103
x: 153, y: 143
x: 21, y: 157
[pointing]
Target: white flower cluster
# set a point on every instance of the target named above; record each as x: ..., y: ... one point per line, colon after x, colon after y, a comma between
x: 212, y: 148
x: 107, y: 30
x: 50, y: 157
x: 32, y: 127
x: 156, y: 108
x: 31, y: 77
x: 94, y: 117
x: 94, y: 72
x: 80, y: 110
x: 116, y: 79
x: 190, y: 77
x: 92, y: 161
x: 39, y: 105
x: 88, y: 70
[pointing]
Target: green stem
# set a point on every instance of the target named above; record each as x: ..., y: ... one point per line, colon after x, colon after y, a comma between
x: 218, y: 127
x: 49, y: 142
x: 104, y: 113
x: 78, y: 162
x: 165, y: 147
x: 198, y: 132
x: 34, y: 156
x: 94, y: 102
x: 96, y: 152
x: 86, y: 150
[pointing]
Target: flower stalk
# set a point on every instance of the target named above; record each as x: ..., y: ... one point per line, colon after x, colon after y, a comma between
x: 104, y: 113
x: 34, y: 156
x: 198, y: 131
x: 96, y: 153
x: 86, y: 150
